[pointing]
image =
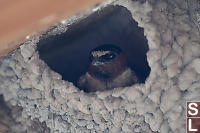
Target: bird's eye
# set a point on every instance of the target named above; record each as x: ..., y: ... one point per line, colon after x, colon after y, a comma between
x: 108, y: 57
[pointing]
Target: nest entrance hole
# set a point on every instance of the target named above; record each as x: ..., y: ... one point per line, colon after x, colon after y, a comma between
x: 67, y: 53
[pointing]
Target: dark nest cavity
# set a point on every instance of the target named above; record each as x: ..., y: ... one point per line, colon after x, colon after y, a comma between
x: 67, y: 53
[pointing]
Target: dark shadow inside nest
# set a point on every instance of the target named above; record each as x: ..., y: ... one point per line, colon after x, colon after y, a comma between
x: 68, y: 53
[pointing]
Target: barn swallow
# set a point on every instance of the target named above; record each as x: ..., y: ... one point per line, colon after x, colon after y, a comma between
x: 108, y: 69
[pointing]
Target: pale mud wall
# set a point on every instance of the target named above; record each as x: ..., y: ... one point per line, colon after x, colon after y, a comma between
x: 156, y: 106
x: 11, y: 120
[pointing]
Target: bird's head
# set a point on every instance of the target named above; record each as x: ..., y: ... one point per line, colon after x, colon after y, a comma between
x: 107, y: 62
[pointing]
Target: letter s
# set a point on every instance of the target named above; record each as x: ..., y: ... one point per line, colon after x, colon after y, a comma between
x: 193, y: 108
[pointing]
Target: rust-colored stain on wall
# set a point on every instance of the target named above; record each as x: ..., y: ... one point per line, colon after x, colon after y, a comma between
x: 21, y: 18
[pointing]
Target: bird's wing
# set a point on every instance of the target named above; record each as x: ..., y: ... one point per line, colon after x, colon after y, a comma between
x: 135, y: 78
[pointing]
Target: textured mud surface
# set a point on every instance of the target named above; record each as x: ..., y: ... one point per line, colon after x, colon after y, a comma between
x: 158, y: 105
x: 12, y: 121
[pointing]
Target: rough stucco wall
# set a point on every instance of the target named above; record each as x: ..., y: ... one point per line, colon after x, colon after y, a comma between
x: 156, y: 106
